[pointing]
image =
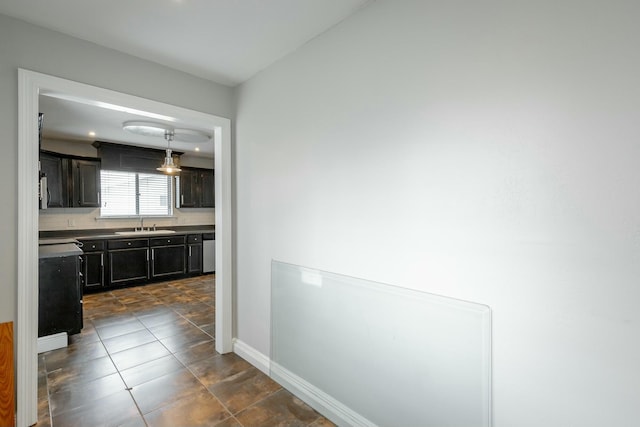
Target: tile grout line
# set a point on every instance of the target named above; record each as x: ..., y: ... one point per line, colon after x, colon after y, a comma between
x: 127, y: 388
x: 105, y: 312
x: 191, y: 372
x: 138, y: 318
x: 46, y: 375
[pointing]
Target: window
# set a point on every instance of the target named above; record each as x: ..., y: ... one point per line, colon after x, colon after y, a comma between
x: 135, y: 194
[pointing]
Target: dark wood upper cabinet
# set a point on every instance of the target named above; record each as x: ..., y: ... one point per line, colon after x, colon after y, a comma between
x: 188, y: 186
x: 86, y: 183
x: 207, y: 193
x: 52, y: 167
x: 126, y: 158
x: 72, y: 181
x: 195, y: 188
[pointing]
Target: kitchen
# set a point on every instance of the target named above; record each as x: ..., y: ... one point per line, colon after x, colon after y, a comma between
x: 168, y: 236
x: 35, y: 84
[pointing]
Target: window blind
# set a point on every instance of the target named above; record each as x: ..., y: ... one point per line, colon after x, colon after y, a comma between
x: 154, y: 191
x: 131, y: 194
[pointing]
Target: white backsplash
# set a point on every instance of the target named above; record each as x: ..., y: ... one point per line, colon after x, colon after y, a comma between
x: 89, y: 218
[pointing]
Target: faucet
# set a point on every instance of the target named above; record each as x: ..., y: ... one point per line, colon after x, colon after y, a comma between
x: 141, y: 225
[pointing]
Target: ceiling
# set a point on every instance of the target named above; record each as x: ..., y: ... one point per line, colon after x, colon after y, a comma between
x: 72, y: 121
x: 225, y: 41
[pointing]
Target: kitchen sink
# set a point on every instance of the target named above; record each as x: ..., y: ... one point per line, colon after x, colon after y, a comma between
x: 144, y: 232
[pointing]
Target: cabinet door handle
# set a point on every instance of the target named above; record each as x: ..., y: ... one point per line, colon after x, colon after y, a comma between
x: 190, y: 251
x: 102, y: 260
x: 148, y: 254
x: 182, y: 199
x: 98, y: 198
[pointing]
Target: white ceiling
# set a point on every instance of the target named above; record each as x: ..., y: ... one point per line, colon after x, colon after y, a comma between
x: 225, y: 41
x: 69, y: 120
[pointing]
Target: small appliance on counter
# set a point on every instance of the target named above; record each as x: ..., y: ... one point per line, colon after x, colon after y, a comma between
x: 60, y: 292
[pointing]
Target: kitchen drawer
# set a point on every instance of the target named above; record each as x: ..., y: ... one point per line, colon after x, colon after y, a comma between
x: 167, y: 241
x: 93, y: 245
x: 194, y: 238
x: 128, y: 243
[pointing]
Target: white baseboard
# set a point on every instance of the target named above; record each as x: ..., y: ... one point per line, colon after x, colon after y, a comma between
x: 251, y: 355
x: 335, y: 411
x: 52, y: 342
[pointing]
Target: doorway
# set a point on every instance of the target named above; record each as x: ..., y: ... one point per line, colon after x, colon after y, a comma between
x: 30, y: 86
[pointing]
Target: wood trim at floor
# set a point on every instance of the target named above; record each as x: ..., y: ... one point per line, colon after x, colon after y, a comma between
x: 7, y: 387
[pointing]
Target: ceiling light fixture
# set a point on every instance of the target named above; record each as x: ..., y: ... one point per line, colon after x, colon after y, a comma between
x: 158, y: 130
x: 168, y: 166
x: 191, y: 135
x: 146, y: 128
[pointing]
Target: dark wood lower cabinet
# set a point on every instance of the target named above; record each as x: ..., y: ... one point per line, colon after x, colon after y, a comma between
x: 194, y: 254
x: 59, y: 295
x: 167, y: 261
x: 128, y: 261
x: 167, y: 256
x: 112, y: 263
x: 94, y: 263
x: 128, y: 266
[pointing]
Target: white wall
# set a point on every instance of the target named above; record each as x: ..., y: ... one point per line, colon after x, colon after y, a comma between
x: 483, y: 150
x: 26, y: 46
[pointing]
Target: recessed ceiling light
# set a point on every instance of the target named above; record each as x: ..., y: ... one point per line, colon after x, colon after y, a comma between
x: 92, y: 134
x: 197, y: 148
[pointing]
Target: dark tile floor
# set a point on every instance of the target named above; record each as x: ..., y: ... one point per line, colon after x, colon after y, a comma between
x: 146, y: 357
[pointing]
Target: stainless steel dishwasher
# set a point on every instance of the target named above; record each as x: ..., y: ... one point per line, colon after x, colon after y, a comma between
x: 208, y: 252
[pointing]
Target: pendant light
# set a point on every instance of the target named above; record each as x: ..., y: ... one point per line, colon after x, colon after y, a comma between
x: 170, y: 133
x: 168, y: 166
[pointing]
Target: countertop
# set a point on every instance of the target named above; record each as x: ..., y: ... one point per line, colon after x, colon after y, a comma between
x: 111, y: 233
x: 58, y: 250
x: 57, y: 241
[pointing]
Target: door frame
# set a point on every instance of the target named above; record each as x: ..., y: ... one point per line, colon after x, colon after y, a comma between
x: 30, y: 86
